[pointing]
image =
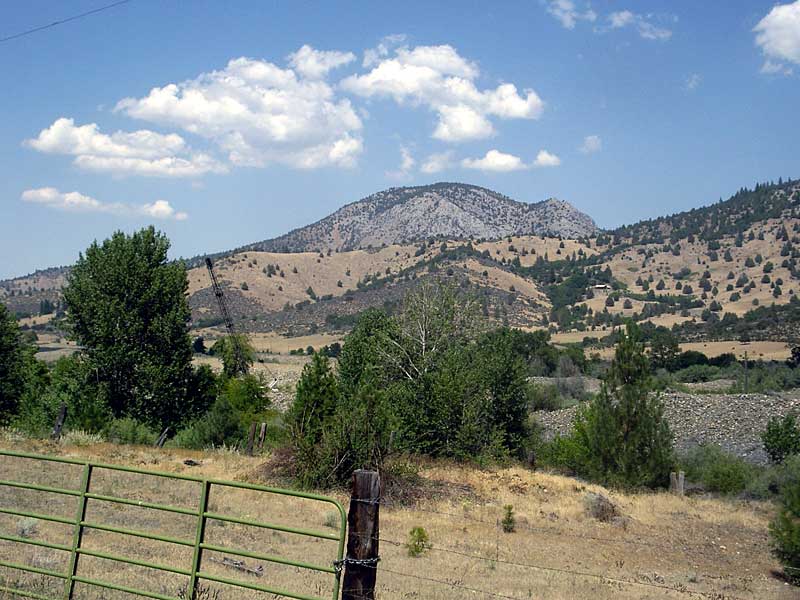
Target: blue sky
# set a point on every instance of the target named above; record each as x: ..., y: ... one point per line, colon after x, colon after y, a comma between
x: 227, y: 123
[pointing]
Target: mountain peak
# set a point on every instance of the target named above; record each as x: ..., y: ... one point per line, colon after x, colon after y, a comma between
x: 443, y: 209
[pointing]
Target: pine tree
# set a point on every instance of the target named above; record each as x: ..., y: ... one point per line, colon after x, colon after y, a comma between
x: 622, y: 436
x: 785, y: 530
x: 315, y: 402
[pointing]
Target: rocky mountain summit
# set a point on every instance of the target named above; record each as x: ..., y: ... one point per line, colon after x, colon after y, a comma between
x: 448, y: 210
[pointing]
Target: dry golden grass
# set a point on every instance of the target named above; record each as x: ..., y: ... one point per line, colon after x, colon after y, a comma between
x: 718, y: 548
x: 277, y: 344
x: 536, y: 246
x: 273, y: 343
x: 755, y: 350
x: 321, y: 273
x: 574, y: 337
x: 35, y: 320
x: 627, y: 267
x: 668, y: 320
x: 52, y: 347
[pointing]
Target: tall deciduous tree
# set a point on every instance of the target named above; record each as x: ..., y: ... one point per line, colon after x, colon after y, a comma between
x: 127, y: 309
x: 236, y: 352
x: 14, y: 353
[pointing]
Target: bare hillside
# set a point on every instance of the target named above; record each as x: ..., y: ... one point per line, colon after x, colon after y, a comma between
x: 301, y: 291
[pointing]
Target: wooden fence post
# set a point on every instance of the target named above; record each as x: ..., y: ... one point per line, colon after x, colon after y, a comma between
x: 361, y: 562
x: 162, y: 438
x: 262, y: 435
x: 251, y: 439
x: 676, y: 482
x: 59, y: 424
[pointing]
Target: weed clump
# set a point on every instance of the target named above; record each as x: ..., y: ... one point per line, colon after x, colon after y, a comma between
x: 509, y: 522
x: 27, y: 528
x: 418, y: 542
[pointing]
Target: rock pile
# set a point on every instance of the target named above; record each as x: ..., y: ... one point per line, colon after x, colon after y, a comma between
x: 733, y: 421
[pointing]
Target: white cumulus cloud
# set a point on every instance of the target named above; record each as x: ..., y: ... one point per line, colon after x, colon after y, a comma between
x: 259, y: 113
x: 642, y: 23
x: 373, y: 55
x: 546, y: 159
x: 437, y: 162
x: 778, y: 36
x: 161, y: 209
x: 439, y: 78
x: 77, y: 202
x: 315, y: 64
x: 568, y: 14
x: 591, y: 144
x: 458, y: 123
x: 495, y: 161
x: 407, y: 164
x: 124, y: 153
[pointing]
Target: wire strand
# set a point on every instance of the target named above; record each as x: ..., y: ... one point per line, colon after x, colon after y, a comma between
x: 452, y: 585
x: 533, y: 528
x: 498, y: 560
x: 62, y: 21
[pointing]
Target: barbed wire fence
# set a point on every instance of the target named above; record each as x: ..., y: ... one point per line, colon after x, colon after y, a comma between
x: 459, y: 587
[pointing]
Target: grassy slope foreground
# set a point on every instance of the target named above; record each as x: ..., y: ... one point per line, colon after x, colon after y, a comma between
x: 661, y: 547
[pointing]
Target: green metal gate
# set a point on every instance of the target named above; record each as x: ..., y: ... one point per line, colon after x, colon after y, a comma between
x: 202, y: 514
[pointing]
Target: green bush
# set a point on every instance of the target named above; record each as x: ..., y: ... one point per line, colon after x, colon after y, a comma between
x: 769, y: 482
x: 220, y: 426
x: 457, y: 390
x: 241, y: 402
x: 247, y: 395
x: 357, y: 435
x: 70, y: 383
x: 785, y: 530
x: 129, y: 431
x: 781, y: 438
x: 236, y: 352
x: 561, y: 453
x: 718, y: 470
x: 697, y: 374
x: 333, y: 434
x: 766, y: 377
x: 543, y: 397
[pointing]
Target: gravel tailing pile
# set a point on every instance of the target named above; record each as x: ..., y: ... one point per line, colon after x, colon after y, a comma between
x: 733, y: 421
